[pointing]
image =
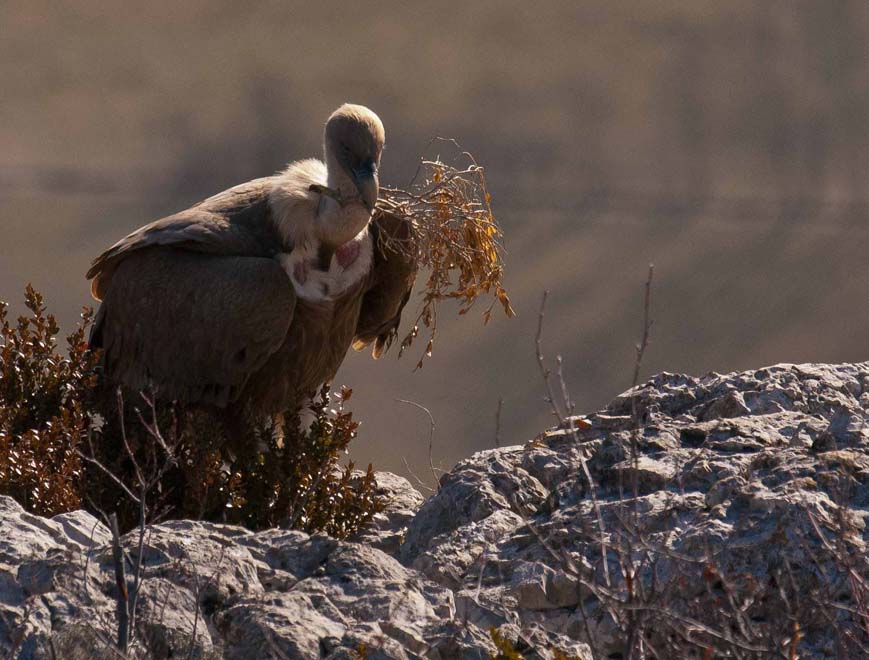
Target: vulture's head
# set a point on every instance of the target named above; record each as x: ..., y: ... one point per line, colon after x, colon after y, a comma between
x: 353, y: 143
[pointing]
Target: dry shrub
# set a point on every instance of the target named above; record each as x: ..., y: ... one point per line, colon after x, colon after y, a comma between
x: 455, y: 236
x: 291, y: 476
x: 506, y: 649
x: 246, y: 473
x: 44, y: 400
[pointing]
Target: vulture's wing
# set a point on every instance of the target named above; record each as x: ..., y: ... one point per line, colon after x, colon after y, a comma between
x: 234, y: 222
x: 392, y: 278
x: 196, y: 324
x: 195, y: 301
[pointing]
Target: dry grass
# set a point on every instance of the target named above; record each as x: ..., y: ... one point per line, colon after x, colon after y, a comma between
x: 455, y: 237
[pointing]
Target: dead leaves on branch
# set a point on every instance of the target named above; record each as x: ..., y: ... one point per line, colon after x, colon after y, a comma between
x: 455, y: 237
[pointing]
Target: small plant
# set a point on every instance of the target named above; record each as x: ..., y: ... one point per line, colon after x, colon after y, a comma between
x: 44, y: 399
x: 255, y: 474
x: 297, y: 481
x: 506, y: 650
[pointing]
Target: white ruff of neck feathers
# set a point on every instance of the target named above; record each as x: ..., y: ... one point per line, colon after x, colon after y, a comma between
x: 293, y: 205
x: 302, y: 215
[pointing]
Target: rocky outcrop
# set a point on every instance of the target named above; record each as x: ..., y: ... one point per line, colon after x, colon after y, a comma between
x: 731, y: 510
x: 722, y: 512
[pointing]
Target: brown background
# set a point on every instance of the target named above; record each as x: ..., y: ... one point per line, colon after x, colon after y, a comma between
x: 728, y: 142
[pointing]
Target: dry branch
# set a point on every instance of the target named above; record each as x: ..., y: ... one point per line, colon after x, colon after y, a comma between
x: 455, y: 237
x: 122, y: 597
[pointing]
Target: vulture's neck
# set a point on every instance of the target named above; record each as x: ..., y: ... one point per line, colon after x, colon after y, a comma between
x: 319, y: 270
x: 338, y: 222
x: 304, y: 217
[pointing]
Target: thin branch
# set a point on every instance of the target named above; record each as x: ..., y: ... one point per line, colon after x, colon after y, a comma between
x: 647, y: 326
x: 199, y: 591
x: 138, y: 566
x: 541, y: 362
x: 419, y: 481
x: 120, y: 402
x: 88, y: 559
x: 108, y: 473
x: 498, y: 422
x: 431, y: 433
x: 571, y: 421
x: 122, y: 609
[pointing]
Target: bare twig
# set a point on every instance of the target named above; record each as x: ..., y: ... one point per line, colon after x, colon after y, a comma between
x: 147, y: 476
x: 120, y: 484
x: 431, y: 433
x: 138, y: 567
x: 498, y: 422
x: 140, y: 478
x: 199, y: 591
x: 647, y: 327
x: 571, y: 422
x: 413, y: 474
x: 569, y: 406
x: 634, y: 436
x: 541, y: 362
x: 88, y: 560
x: 122, y: 609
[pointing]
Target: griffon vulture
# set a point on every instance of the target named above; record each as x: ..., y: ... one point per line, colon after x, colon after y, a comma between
x: 252, y: 297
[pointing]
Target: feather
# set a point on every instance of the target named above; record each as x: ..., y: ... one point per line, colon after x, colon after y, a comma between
x: 392, y: 277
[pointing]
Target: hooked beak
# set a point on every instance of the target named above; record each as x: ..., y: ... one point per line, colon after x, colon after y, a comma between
x: 366, y: 181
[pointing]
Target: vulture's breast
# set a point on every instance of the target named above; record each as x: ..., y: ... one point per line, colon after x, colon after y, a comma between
x: 324, y: 322
x: 318, y: 282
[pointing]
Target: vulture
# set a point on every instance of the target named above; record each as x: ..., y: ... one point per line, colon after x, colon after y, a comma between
x: 252, y: 297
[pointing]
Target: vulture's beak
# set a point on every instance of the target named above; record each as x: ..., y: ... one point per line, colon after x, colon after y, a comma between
x: 365, y: 178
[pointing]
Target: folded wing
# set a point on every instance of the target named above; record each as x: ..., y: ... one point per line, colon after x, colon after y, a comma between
x: 392, y: 277
x: 234, y: 222
x: 194, y: 302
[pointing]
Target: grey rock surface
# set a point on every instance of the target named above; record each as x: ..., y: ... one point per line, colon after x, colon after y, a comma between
x: 730, y: 502
x: 726, y: 512
x: 386, y: 532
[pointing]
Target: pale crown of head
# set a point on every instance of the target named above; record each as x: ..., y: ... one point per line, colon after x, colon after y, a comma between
x: 355, y: 135
x: 353, y: 143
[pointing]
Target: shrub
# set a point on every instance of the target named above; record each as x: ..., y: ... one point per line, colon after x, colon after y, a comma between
x: 43, y: 409
x: 198, y: 464
x: 302, y: 482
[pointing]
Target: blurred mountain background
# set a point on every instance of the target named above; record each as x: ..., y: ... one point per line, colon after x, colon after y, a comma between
x: 728, y: 143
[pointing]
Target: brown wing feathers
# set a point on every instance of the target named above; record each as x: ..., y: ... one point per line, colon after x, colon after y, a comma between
x: 194, y: 302
x: 392, y: 278
x: 235, y: 222
x: 198, y: 325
